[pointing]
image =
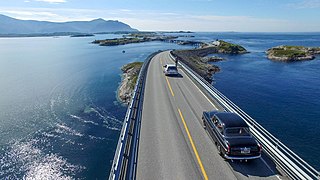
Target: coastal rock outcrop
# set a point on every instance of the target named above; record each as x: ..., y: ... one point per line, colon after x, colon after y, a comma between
x: 212, y: 59
x: 129, y: 79
x: 292, y: 53
x: 194, y: 59
x: 224, y: 47
x: 197, y: 58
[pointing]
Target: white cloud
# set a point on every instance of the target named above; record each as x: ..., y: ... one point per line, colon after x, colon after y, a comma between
x: 29, y: 13
x: 52, y: 1
x: 306, y: 4
x: 166, y: 21
x: 50, y: 14
x: 220, y: 23
x: 125, y: 10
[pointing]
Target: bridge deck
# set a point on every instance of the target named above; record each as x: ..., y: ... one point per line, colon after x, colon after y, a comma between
x: 173, y: 143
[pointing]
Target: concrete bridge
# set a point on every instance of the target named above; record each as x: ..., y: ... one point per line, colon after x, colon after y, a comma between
x: 163, y: 136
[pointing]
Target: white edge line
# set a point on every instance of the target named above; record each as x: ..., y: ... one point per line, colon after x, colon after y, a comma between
x: 269, y: 167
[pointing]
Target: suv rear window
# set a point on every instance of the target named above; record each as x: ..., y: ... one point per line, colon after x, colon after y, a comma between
x: 172, y: 68
x: 237, y: 131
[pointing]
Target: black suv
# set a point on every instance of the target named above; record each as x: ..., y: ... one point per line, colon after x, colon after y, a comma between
x: 231, y: 135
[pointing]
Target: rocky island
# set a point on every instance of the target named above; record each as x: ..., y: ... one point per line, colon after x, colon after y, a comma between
x: 82, y: 35
x: 197, y: 58
x: 138, y: 37
x: 292, y: 53
x: 128, y: 82
x: 118, y: 41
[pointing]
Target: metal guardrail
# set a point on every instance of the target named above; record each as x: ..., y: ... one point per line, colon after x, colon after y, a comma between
x: 126, y: 155
x: 285, y: 159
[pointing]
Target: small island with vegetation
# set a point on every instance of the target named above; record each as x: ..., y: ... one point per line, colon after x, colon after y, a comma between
x: 198, y: 58
x: 138, y: 37
x: 82, y: 35
x: 118, y: 41
x: 229, y: 48
x: 292, y: 53
x: 128, y: 82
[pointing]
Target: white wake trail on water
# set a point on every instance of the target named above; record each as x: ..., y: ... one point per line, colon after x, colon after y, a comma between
x: 83, y: 120
x: 109, y: 121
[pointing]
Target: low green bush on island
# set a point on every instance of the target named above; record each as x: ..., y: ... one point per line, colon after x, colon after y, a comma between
x: 229, y: 48
x: 133, y: 65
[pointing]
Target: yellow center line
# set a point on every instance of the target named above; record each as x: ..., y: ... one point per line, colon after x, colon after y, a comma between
x: 169, y: 86
x: 193, y: 147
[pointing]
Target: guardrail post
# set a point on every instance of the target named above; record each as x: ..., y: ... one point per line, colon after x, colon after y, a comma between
x: 277, y: 144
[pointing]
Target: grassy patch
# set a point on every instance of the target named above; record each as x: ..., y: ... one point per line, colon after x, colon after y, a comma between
x: 294, y: 47
x: 289, y: 53
x: 133, y: 81
x: 136, y: 65
x: 134, y: 68
x: 231, y: 48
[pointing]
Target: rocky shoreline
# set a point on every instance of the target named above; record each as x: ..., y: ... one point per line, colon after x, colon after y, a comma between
x: 197, y: 58
x: 292, y: 53
x: 128, y: 82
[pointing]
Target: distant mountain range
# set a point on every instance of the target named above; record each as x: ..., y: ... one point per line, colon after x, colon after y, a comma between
x: 10, y: 25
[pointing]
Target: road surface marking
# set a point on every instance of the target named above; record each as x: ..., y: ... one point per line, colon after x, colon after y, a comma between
x: 269, y: 168
x: 169, y: 86
x: 193, y: 146
x: 214, y: 106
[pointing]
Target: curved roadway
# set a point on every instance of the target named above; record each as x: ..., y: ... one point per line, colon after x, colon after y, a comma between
x: 173, y: 143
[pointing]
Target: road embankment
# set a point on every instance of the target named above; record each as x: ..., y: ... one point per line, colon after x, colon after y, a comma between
x: 198, y: 58
x: 128, y: 82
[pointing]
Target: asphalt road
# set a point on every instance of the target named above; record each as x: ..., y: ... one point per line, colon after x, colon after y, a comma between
x: 173, y: 143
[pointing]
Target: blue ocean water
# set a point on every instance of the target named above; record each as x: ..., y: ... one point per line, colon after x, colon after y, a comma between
x: 59, y: 117
x: 283, y: 97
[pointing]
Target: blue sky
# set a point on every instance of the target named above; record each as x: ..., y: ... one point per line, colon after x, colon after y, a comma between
x: 194, y: 15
